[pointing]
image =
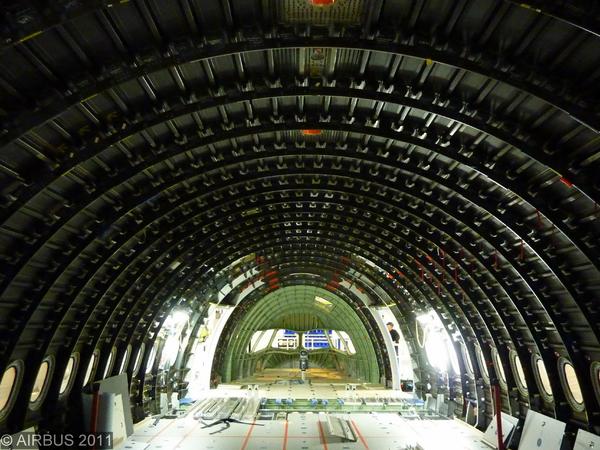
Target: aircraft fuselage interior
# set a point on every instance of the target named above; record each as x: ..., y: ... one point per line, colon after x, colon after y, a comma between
x: 300, y: 224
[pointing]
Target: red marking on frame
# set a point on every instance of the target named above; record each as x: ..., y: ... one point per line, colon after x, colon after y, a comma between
x: 311, y: 132
x: 322, y: 2
x: 566, y: 182
x: 522, y: 253
x: 421, y: 270
x: 332, y: 286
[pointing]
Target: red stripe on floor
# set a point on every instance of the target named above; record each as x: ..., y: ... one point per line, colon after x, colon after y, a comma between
x: 285, y: 435
x: 187, y: 434
x: 247, y: 439
x: 322, y: 435
x: 360, y: 436
x: 162, y: 431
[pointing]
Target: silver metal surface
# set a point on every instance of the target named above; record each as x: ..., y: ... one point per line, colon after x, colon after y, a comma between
x: 541, y: 432
x: 586, y: 441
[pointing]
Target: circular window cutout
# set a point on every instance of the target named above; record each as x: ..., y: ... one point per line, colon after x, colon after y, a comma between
x: 65, y: 384
x: 595, y: 373
x: 41, y: 382
x: 8, y: 387
x: 138, y: 360
x: 440, y: 351
x: 109, y: 362
x: 125, y: 360
x: 571, y: 384
x: 499, y: 367
x: 542, y: 377
x: 519, y: 372
x: 467, y: 359
x: 482, y: 364
x: 90, y: 368
x: 151, y: 359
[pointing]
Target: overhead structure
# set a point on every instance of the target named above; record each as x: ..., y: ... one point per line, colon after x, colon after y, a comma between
x: 413, y: 154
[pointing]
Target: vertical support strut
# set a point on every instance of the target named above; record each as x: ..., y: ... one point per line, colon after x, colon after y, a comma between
x: 498, y: 408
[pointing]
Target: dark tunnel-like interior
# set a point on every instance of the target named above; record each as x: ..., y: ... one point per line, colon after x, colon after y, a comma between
x: 244, y: 179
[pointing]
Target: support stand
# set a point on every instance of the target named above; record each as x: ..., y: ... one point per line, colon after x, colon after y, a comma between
x: 498, y: 407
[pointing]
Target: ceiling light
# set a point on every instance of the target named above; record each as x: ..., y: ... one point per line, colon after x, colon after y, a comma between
x: 311, y: 132
x: 427, y: 318
x: 322, y: 301
x: 176, y: 319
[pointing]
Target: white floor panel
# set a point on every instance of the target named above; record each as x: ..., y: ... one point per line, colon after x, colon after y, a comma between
x: 270, y: 435
x: 308, y: 431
